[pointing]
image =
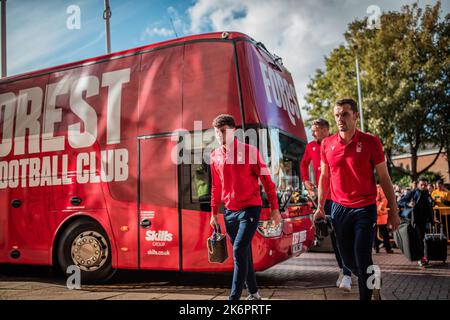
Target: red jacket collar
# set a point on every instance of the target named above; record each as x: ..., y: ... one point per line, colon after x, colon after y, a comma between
x: 235, y: 143
x: 356, y: 137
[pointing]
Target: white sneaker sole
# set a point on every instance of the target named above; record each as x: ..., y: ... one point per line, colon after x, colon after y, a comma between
x: 346, y: 289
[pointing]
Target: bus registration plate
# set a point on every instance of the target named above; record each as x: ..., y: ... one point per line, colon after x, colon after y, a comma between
x: 297, y: 239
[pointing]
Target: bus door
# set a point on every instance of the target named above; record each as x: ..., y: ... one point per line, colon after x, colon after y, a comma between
x: 158, y: 203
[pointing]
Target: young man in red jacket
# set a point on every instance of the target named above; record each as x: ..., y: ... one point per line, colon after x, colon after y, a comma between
x: 235, y: 170
x: 348, y: 161
x: 320, y: 130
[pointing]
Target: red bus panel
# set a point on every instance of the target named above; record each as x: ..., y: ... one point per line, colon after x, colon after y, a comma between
x: 96, y: 139
x: 209, y: 83
x: 268, y: 91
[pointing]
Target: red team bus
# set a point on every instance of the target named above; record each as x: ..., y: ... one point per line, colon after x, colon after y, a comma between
x: 87, y: 175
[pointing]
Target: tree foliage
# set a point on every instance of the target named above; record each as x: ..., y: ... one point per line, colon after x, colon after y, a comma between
x: 404, y: 77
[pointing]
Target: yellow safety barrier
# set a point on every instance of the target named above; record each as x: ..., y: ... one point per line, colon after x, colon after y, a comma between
x: 444, y: 216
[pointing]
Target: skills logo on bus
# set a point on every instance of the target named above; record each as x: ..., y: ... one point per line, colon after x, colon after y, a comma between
x: 158, y: 239
x: 160, y: 236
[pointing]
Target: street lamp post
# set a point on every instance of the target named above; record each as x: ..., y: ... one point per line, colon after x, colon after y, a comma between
x: 3, y: 40
x: 361, y: 116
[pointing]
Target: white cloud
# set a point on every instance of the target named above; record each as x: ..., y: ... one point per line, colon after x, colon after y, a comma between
x: 291, y: 29
x: 181, y: 27
x: 155, y: 31
x: 215, y: 13
x: 301, y: 32
x: 178, y: 26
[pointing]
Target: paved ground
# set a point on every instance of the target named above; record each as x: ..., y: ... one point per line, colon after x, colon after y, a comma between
x: 311, y: 276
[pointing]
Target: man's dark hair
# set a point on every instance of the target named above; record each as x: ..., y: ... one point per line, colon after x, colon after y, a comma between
x: 223, y: 120
x: 322, y: 123
x: 423, y: 179
x: 352, y: 103
x: 440, y: 181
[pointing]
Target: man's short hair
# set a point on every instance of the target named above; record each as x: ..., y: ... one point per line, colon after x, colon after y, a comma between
x: 223, y: 120
x: 440, y: 181
x: 352, y: 103
x: 423, y: 179
x: 322, y: 123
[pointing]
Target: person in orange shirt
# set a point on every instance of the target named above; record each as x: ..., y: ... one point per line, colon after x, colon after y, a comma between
x: 382, y: 220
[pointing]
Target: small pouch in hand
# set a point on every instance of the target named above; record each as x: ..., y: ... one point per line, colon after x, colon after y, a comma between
x: 217, y: 247
x: 321, y: 228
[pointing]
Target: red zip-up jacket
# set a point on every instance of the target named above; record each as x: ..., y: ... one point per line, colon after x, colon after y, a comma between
x: 235, y: 174
x: 312, y: 154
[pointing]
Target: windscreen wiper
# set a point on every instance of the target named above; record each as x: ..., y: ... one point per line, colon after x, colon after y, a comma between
x: 283, y: 207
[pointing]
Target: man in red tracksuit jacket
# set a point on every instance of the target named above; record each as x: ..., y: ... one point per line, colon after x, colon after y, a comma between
x: 235, y: 170
x: 320, y: 130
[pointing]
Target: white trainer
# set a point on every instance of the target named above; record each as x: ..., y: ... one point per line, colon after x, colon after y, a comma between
x: 346, y: 283
x: 254, y: 296
x: 338, y: 281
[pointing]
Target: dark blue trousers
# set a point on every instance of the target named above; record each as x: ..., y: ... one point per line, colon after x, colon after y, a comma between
x: 241, y: 226
x: 354, y: 236
x: 346, y: 271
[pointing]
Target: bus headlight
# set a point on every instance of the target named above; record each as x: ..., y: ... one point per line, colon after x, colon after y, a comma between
x: 266, y: 230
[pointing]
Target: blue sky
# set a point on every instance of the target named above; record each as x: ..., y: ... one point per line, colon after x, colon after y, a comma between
x: 38, y: 36
x: 302, y: 32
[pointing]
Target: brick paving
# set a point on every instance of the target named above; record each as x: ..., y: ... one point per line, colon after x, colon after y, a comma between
x: 309, y: 277
x: 405, y: 280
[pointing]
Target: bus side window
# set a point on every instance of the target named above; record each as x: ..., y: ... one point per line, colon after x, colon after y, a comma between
x: 200, y: 183
x: 196, y: 175
x: 196, y: 187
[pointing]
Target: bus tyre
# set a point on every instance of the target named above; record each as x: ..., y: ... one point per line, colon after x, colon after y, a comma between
x: 85, y: 244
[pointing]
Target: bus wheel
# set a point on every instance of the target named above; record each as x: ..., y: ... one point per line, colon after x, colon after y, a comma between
x: 85, y: 244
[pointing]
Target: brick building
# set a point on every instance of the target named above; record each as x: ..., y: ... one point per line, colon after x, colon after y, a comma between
x: 424, y: 158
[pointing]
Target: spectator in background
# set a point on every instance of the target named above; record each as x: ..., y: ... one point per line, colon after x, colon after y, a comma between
x: 430, y: 188
x: 382, y: 221
x: 405, y: 191
x: 441, y: 196
x: 398, y: 192
x: 200, y: 181
x: 419, y: 199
